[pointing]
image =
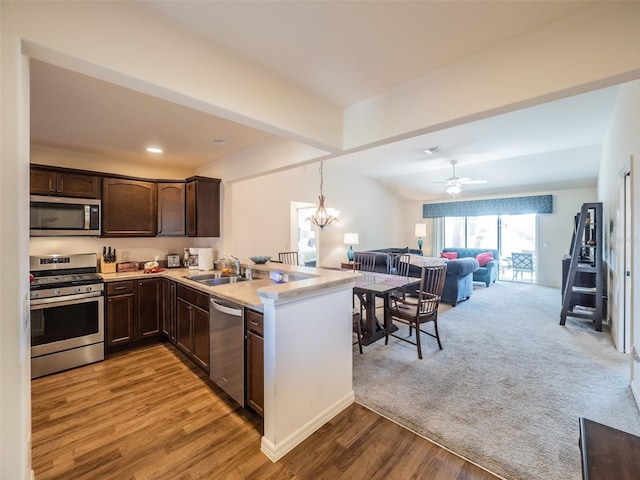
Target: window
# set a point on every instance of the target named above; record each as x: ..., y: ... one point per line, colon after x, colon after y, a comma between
x: 506, y: 233
x: 471, y: 232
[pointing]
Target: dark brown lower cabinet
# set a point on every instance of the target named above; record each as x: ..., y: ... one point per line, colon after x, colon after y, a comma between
x: 133, y: 311
x: 120, y: 312
x: 169, y: 309
x: 192, y: 325
x: 255, y: 362
x: 149, y: 306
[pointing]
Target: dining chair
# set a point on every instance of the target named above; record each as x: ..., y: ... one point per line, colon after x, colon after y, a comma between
x: 415, y: 312
x: 398, y: 264
x: 364, y: 261
x: 357, y: 328
x: 290, y: 258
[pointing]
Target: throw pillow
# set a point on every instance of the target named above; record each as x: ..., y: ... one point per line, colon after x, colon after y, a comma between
x: 484, y: 258
x: 449, y: 255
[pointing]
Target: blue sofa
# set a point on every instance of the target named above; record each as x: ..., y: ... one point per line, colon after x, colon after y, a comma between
x: 458, y: 283
x: 487, y: 274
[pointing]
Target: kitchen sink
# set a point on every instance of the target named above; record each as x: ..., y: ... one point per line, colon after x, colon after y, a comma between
x: 217, y: 278
x: 212, y: 282
x: 209, y: 276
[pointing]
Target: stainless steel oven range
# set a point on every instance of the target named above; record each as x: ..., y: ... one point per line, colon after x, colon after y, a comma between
x: 67, y: 312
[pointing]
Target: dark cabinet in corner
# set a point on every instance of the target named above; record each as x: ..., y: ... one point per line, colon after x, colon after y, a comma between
x: 171, y: 209
x: 133, y: 312
x: 43, y: 181
x: 128, y: 207
x: 203, y: 207
x: 169, y: 309
x: 255, y: 362
x: 149, y: 307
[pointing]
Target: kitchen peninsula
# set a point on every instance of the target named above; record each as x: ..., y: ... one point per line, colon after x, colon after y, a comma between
x: 307, y: 343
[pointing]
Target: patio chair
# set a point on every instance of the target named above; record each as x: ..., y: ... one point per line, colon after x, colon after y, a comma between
x: 522, y: 262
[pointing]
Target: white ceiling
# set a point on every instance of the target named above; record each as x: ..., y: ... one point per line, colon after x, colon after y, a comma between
x: 344, y: 52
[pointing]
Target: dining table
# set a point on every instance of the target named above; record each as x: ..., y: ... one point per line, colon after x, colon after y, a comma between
x: 372, y: 285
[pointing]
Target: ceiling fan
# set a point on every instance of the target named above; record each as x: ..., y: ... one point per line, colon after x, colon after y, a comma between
x: 454, y: 183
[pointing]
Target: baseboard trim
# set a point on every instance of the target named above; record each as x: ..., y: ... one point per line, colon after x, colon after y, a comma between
x: 284, y: 446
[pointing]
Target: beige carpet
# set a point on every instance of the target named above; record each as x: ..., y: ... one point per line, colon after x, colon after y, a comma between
x: 508, y: 388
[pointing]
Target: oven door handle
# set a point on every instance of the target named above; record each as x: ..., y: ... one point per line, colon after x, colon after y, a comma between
x: 64, y: 300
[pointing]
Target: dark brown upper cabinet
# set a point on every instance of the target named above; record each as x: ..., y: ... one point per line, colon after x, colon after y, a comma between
x: 171, y: 209
x: 128, y: 207
x: 65, y: 184
x: 203, y: 207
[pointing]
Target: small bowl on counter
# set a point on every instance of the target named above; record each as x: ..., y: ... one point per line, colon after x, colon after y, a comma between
x: 260, y: 259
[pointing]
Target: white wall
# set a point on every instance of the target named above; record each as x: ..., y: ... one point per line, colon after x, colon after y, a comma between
x: 556, y: 230
x: 621, y: 152
x: 260, y: 228
x: 15, y: 362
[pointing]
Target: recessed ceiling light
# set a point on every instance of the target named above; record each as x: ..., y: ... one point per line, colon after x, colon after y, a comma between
x: 219, y: 141
x: 433, y: 150
x: 154, y: 150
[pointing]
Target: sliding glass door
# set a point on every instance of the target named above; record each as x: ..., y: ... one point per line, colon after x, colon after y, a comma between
x: 509, y: 234
x: 518, y: 247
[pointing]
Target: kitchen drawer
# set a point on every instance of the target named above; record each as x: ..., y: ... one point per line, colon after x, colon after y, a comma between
x: 255, y: 322
x: 120, y: 288
x: 193, y: 297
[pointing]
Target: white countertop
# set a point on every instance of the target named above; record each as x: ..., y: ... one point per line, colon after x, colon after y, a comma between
x: 248, y: 292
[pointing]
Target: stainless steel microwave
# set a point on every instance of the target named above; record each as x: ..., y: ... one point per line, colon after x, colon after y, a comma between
x: 53, y: 216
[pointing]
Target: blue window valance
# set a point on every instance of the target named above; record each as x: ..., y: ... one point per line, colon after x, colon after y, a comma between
x: 497, y: 206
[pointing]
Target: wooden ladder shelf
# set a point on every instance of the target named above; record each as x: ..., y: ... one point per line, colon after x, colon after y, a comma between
x: 583, y: 294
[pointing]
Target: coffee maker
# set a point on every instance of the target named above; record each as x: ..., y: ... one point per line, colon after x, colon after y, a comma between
x: 193, y: 258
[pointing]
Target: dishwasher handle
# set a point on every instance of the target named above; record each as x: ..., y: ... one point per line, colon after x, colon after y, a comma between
x: 224, y: 309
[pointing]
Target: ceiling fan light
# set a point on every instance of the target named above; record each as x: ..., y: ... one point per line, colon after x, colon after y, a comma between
x: 454, y: 190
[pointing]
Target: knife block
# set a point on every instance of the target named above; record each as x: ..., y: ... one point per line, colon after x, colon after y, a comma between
x: 107, y: 267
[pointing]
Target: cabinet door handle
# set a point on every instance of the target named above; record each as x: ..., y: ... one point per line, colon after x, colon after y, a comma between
x: 50, y: 185
x: 257, y: 324
x: 119, y: 288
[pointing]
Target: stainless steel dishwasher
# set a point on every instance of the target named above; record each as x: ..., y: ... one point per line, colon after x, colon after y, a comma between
x: 226, y: 347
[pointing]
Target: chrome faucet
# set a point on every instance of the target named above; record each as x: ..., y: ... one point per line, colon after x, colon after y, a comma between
x: 236, y: 262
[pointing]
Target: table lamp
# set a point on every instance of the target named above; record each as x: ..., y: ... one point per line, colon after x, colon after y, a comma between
x: 421, y: 231
x: 350, y: 239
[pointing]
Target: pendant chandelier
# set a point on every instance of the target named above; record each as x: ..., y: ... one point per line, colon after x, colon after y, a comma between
x: 323, y: 217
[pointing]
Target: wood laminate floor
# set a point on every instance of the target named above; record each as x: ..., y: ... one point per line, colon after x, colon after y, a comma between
x: 149, y: 414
